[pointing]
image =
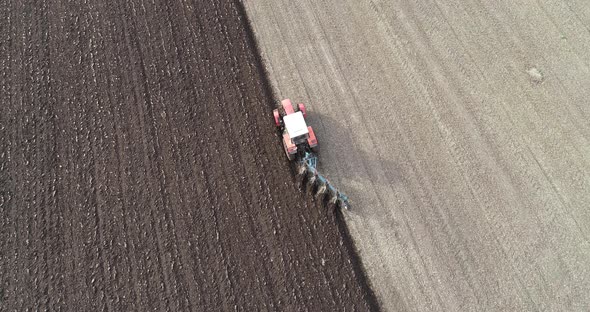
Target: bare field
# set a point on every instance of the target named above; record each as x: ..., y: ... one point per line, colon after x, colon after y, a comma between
x: 460, y: 131
x: 140, y: 168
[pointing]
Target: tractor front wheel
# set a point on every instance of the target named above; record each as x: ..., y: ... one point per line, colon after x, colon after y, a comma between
x: 302, y: 109
x: 277, y: 117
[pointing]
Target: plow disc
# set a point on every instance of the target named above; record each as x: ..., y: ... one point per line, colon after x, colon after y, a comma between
x: 319, y: 185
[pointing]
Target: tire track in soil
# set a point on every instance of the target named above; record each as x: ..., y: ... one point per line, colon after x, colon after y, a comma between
x: 139, y: 168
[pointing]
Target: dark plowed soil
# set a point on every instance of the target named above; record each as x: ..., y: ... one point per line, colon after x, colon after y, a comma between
x: 140, y: 170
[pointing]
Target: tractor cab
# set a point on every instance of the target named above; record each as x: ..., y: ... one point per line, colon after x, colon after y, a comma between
x: 296, y: 128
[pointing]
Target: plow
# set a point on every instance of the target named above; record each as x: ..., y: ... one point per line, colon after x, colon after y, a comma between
x: 301, y: 147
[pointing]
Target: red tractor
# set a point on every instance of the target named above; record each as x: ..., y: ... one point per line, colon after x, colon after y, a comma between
x: 301, y: 145
x: 298, y: 137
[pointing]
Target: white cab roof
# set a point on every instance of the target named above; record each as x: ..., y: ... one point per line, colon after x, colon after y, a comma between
x: 295, y: 124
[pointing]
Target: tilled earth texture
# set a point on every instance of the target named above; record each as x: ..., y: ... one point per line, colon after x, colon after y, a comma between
x: 140, y: 168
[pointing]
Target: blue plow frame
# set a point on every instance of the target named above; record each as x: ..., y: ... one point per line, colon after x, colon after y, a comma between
x: 310, y: 162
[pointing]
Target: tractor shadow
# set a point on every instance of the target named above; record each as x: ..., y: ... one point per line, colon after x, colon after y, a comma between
x: 352, y: 170
x: 349, y: 167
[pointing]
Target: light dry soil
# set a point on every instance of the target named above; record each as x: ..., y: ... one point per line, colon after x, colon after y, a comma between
x: 460, y: 131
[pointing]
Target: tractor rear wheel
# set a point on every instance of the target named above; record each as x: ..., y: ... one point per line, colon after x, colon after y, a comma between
x: 289, y: 156
x: 315, y: 149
